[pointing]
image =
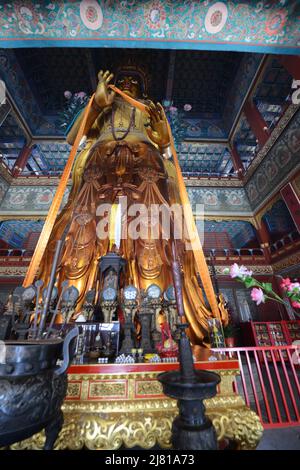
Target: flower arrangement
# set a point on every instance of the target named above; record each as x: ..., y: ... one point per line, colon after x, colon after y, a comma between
x: 262, y: 291
x: 74, y: 104
x: 176, y: 120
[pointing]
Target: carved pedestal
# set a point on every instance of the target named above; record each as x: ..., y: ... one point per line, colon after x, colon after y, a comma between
x: 109, y: 406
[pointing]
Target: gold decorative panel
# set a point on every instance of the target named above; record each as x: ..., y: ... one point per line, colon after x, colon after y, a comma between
x: 146, y: 388
x: 74, y: 390
x: 113, y: 389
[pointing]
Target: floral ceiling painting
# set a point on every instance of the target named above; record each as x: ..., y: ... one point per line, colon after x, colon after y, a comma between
x: 247, y: 25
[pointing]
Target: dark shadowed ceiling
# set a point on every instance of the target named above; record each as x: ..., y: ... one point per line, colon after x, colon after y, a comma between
x: 200, y: 78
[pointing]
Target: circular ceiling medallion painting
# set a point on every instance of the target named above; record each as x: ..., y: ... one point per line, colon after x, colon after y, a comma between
x: 91, y: 14
x: 216, y: 18
x: 276, y: 23
x: 155, y: 15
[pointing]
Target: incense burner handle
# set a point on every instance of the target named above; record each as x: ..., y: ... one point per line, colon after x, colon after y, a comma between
x: 67, y: 350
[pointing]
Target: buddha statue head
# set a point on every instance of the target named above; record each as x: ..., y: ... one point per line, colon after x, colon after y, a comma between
x: 129, y: 85
x: 132, y: 80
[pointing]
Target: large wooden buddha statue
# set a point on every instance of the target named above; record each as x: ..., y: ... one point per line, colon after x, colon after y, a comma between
x: 126, y: 154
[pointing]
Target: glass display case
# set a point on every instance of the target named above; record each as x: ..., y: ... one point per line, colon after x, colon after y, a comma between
x: 292, y: 330
x: 264, y: 334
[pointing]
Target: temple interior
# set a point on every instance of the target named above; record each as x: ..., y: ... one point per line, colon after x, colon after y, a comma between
x: 210, y: 125
x: 240, y: 103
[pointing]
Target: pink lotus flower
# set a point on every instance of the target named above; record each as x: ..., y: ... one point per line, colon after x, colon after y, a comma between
x: 296, y: 304
x: 244, y: 272
x: 264, y: 291
x: 187, y: 107
x: 285, y: 283
x: 67, y: 94
x: 81, y: 94
x: 237, y: 271
x: 234, y: 271
x: 173, y: 109
x: 257, y: 295
x: 294, y: 286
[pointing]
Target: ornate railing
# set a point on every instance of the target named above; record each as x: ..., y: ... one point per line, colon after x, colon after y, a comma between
x: 285, y: 242
x: 269, y: 381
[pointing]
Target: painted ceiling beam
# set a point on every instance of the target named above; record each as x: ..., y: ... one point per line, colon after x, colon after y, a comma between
x: 241, y: 25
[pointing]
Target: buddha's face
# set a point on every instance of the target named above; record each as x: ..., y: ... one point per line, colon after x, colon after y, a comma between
x: 129, y: 85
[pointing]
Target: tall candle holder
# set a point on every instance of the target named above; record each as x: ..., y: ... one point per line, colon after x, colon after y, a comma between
x: 191, y: 429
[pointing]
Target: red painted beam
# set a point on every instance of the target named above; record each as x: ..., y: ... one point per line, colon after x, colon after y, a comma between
x: 21, y: 161
x: 237, y: 161
x: 256, y: 122
x: 292, y: 64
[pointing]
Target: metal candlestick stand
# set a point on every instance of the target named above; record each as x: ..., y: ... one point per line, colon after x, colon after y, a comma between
x: 191, y: 430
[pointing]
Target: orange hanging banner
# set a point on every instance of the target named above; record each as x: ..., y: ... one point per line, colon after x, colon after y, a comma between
x: 56, y: 203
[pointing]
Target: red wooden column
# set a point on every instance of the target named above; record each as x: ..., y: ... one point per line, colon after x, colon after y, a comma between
x: 292, y: 64
x: 256, y: 122
x: 21, y: 161
x: 292, y: 201
x: 264, y: 240
x: 237, y: 161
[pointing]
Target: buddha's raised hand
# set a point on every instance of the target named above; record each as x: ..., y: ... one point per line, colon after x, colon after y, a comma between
x: 103, y: 96
x: 157, y: 129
